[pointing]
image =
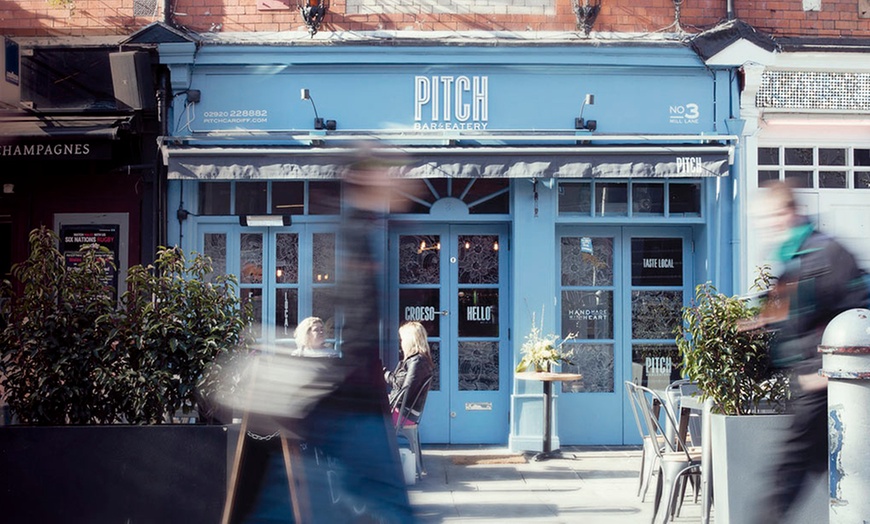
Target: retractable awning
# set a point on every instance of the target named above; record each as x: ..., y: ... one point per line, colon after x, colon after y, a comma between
x: 227, y: 163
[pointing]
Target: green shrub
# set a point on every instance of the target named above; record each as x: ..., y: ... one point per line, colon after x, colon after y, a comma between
x: 70, y: 355
x: 729, y: 364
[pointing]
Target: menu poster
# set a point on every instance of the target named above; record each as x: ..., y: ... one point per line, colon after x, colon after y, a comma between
x: 74, y: 239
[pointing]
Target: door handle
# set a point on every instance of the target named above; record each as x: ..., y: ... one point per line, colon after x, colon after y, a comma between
x: 444, y: 312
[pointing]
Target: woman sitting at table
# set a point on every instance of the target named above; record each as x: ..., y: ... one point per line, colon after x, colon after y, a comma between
x: 411, y: 373
x: 310, y: 337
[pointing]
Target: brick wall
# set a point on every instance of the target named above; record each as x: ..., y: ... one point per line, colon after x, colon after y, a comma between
x: 819, y: 18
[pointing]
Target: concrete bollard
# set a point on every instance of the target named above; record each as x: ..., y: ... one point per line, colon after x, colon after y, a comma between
x: 845, y: 352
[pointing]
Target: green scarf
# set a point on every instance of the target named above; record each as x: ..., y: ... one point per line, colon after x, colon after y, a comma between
x: 790, y: 248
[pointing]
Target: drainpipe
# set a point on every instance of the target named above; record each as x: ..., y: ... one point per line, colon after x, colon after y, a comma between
x: 729, y: 10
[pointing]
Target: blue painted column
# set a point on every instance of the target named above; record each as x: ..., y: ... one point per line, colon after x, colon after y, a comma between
x: 533, y: 291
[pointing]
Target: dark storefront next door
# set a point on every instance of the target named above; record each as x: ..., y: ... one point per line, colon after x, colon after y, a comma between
x: 621, y: 293
x: 454, y: 280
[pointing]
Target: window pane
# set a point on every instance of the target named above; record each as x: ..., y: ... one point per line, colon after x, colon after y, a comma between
x: 288, y: 198
x: 655, y: 314
x: 251, y: 258
x: 768, y: 156
x: 251, y: 198
x: 323, y: 258
x: 214, y: 198
x: 575, y: 198
x: 595, y: 362
x: 656, y: 262
x: 421, y: 305
x: 587, y: 261
x: 587, y: 314
x: 861, y: 157
x: 215, y: 247
x: 478, y: 259
x: 799, y: 178
x: 832, y: 179
x: 648, y: 199
x: 767, y: 176
x: 832, y: 157
x: 684, y: 199
x: 478, y: 312
x: 419, y: 259
x: 611, y: 199
x: 478, y: 366
x: 287, y: 258
x: 324, y: 198
x: 286, y: 312
x: 798, y: 156
x: 862, y: 180
x: 655, y: 366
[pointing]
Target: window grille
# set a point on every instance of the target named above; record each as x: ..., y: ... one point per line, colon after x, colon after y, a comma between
x: 814, y: 90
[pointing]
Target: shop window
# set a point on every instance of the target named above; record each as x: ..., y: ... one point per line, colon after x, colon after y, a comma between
x: 279, y: 197
x: 482, y: 196
x: 214, y: 198
x: 288, y: 198
x: 815, y: 167
x: 642, y: 198
x: 611, y: 199
x: 251, y: 198
x: 575, y: 198
x: 684, y: 199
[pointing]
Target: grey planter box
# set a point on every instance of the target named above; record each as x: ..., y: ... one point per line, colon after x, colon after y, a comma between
x: 743, y: 451
x: 115, y: 473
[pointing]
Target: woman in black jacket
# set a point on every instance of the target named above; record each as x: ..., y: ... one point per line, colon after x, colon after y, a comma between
x: 415, y: 368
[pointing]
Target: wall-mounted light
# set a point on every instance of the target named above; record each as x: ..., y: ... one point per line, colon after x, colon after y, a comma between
x: 319, y: 123
x: 423, y: 247
x: 579, y: 123
x: 312, y: 12
x: 264, y: 220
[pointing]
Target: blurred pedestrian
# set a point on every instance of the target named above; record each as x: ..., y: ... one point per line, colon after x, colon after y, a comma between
x: 411, y: 372
x: 818, y: 280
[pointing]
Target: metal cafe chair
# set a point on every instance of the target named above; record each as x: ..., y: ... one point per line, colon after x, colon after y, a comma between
x: 408, y: 422
x: 676, y: 461
x: 648, y: 456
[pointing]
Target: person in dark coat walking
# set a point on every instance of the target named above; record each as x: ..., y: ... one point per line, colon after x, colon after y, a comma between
x: 819, y: 279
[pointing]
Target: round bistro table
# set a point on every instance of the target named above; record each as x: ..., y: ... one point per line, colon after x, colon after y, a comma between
x: 547, y: 378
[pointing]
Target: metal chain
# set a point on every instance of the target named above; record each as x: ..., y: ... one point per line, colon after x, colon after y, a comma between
x: 262, y: 437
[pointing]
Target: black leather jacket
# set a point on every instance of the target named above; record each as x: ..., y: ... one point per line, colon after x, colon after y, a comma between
x: 409, y: 376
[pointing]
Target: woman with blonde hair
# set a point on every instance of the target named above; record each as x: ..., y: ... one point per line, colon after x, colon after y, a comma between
x: 310, y: 337
x: 412, y: 372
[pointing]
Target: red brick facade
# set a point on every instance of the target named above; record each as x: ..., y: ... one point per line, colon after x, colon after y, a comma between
x: 782, y: 18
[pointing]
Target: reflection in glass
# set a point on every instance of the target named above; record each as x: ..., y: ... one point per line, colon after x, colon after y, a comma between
x: 419, y: 259
x: 575, y: 198
x: 611, y: 199
x: 286, y: 312
x: 478, y: 259
x: 435, y: 350
x: 768, y: 156
x: 832, y: 179
x: 478, y: 366
x: 648, y: 199
x: 655, y: 314
x: 655, y: 365
x: 286, y: 258
x: 421, y: 305
x: 595, y: 363
x: 685, y: 199
x: 478, y: 312
x: 254, y: 296
x: 832, y: 157
x: 581, y: 268
x: 288, y: 198
x: 251, y: 198
x: 324, y: 198
x: 214, y: 198
x: 323, y: 258
x: 587, y: 314
x: 215, y: 247
x: 251, y: 258
x: 765, y: 176
x: 798, y: 156
x: 323, y: 306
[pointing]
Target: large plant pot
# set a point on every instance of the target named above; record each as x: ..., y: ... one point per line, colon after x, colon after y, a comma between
x: 96, y: 474
x: 744, y: 449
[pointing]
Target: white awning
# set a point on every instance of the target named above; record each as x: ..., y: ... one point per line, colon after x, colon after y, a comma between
x: 210, y: 162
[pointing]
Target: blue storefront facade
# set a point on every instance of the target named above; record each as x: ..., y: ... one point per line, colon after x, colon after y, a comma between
x: 524, y: 200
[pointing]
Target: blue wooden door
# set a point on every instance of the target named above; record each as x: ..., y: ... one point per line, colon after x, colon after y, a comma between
x: 620, y: 293
x: 454, y: 279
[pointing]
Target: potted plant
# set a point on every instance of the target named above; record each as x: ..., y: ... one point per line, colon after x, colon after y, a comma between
x: 94, y: 381
x: 542, y: 352
x: 725, y: 352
